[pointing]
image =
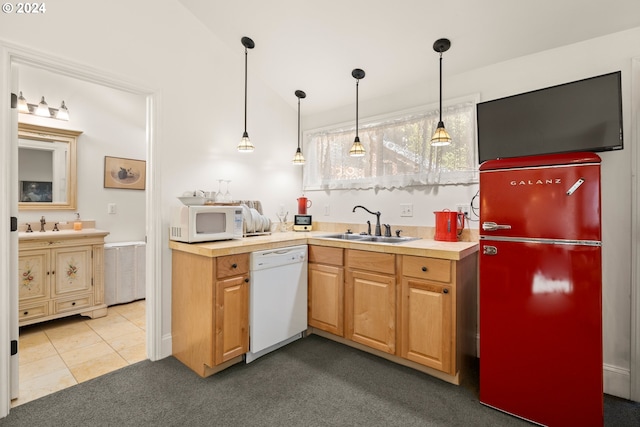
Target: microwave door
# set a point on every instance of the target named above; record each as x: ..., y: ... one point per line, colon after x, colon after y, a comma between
x: 210, y: 222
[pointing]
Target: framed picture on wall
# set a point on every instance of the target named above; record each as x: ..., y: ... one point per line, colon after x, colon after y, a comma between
x: 128, y: 174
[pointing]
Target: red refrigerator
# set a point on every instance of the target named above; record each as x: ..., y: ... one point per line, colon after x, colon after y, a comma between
x: 540, y: 288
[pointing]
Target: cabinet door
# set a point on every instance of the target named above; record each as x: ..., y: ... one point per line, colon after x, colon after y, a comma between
x: 370, y: 310
x: 427, y: 333
x: 232, y: 318
x: 326, y: 298
x: 72, y: 270
x: 34, y: 274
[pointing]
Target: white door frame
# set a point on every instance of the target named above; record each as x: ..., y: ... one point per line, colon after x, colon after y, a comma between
x: 634, y: 365
x: 15, y: 54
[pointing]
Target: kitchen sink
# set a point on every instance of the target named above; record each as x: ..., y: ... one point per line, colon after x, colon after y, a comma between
x: 388, y: 239
x: 367, y: 238
x: 346, y: 236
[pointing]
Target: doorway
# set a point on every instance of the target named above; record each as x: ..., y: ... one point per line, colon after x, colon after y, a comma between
x: 14, y: 58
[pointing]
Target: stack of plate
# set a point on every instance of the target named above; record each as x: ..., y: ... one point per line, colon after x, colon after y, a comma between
x: 254, y: 222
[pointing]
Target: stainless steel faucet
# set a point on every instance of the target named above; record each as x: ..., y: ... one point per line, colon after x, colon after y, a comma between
x: 378, y: 231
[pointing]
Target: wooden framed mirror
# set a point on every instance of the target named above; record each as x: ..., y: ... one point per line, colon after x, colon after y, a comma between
x: 46, y: 168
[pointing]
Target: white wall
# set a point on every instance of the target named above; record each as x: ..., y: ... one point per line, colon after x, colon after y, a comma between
x: 113, y: 124
x: 199, y: 84
x: 574, y: 62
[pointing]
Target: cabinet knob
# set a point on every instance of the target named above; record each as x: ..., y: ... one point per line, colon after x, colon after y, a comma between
x: 53, y: 272
x: 445, y: 291
x: 234, y: 265
x: 424, y: 268
x: 73, y: 303
x: 246, y: 280
x: 25, y: 313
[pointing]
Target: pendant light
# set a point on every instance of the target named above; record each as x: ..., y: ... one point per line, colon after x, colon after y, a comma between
x: 245, y: 145
x: 298, y: 158
x: 441, y: 136
x: 357, y: 149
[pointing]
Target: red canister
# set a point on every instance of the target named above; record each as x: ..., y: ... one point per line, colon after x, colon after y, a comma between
x: 448, y: 225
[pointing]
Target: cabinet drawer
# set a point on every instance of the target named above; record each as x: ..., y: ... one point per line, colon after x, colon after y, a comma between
x: 232, y: 265
x: 69, y: 304
x: 371, y: 261
x: 33, y: 311
x: 427, y: 268
x: 326, y: 255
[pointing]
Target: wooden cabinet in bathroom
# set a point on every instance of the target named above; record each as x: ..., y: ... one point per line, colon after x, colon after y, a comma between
x: 60, y: 274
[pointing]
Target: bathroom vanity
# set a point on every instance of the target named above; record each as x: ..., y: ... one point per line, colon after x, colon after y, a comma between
x: 61, y: 273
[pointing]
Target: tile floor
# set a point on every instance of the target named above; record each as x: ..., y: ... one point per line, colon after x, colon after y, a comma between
x: 60, y: 353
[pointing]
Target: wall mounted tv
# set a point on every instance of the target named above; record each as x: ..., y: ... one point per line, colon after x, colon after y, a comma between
x: 585, y: 115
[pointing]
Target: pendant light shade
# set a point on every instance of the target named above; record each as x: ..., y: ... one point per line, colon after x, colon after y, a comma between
x: 245, y: 145
x: 298, y: 158
x: 441, y: 136
x: 357, y: 149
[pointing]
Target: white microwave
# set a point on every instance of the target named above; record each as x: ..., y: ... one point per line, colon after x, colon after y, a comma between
x: 193, y: 224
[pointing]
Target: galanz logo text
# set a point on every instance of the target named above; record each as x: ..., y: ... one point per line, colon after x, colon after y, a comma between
x: 538, y: 182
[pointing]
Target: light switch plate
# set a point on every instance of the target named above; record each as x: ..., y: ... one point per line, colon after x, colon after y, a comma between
x: 406, y: 209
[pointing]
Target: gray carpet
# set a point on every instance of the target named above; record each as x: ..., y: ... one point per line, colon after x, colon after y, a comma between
x: 311, y: 382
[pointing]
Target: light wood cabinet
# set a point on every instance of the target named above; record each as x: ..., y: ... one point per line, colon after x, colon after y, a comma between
x: 210, y: 310
x: 232, y: 307
x: 427, y: 324
x: 60, y: 276
x: 326, y: 289
x: 437, y: 326
x: 370, y: 299
x: 415, y: 310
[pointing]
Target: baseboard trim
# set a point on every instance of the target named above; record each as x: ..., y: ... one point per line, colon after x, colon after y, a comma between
x: 617, y: 381
x: 166, y: 346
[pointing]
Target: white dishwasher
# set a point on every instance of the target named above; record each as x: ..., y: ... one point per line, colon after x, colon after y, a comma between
x: 277, y: 299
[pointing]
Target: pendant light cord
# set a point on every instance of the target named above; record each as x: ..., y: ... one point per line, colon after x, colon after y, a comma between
x: 440, y: 86
x: 357, y: 85
x: 298, y: 123
x: 245, y: 90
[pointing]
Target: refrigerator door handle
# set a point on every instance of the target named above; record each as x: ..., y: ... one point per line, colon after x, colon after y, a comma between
x: 492, y: 226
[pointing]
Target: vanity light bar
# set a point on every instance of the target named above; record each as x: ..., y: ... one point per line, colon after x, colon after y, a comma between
x: 42, y: 109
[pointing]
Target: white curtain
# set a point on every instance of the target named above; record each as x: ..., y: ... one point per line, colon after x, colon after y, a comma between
x: 398, y: 152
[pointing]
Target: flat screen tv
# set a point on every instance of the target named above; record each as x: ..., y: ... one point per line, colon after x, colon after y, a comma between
x: 585, y: 115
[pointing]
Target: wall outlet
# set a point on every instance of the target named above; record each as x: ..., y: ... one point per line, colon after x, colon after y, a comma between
x: 406, y: 209
x: 463, y: 208
x: 111, y: 208
x: 327, y: 210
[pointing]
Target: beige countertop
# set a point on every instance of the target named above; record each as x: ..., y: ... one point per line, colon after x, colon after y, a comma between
x: 62, y: 234
x: 421, y: 247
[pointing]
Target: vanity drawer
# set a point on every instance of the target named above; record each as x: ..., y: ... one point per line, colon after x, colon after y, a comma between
x: 70, y: 304
x: 427, y: 268
x: 33, y: 311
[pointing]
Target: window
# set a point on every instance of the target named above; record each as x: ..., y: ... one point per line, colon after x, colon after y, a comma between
x: 398, y: 151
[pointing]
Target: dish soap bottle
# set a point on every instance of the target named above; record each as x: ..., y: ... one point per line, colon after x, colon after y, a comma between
x: 77, y: 225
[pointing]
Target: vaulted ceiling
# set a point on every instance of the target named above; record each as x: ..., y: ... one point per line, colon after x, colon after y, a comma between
x: 314, y: 45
